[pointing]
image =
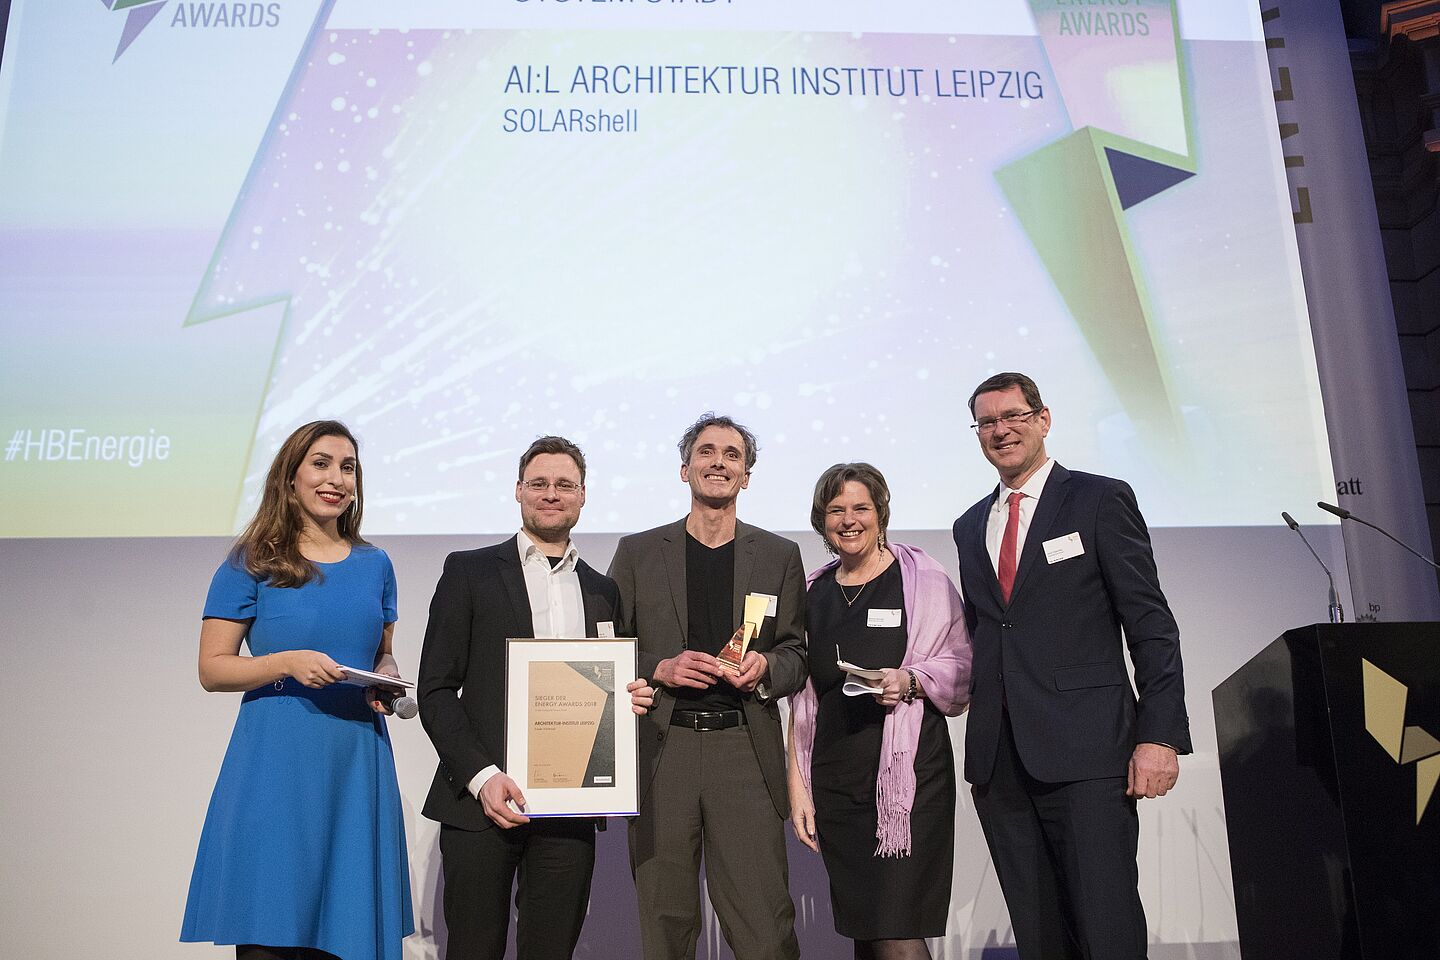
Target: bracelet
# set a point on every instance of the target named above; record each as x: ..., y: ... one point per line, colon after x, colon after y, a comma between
x: 914, y: 691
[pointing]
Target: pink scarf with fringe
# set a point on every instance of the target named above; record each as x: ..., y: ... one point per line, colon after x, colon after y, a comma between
x: 938, y: 651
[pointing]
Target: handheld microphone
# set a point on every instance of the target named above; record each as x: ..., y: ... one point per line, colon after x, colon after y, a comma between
x: 1344, y: 514
x: 401, y: 704
x: 1337, y: 612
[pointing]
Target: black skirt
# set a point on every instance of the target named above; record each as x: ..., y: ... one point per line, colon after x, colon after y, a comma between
x: 875, y: 898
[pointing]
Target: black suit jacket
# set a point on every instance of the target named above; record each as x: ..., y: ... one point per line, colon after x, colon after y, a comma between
x: 649, y: 569
x: 1054, y: 651
x: 479, y: 603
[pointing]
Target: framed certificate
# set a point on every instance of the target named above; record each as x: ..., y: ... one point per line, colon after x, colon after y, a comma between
x: 570, y: 736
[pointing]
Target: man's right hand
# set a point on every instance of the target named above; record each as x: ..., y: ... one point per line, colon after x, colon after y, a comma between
x: 642, y: 696
x: 691, y: 669
x: 493, y: 795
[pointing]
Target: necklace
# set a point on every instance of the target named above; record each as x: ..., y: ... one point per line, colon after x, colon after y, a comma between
x: 849, y: 600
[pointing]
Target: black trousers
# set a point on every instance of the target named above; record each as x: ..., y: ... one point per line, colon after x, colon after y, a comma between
x: 552, y: 860
x: 1065, y: 855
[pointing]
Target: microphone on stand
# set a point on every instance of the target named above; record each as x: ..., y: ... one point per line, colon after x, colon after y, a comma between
x: 1344, y: 514
x: 1337, y: 612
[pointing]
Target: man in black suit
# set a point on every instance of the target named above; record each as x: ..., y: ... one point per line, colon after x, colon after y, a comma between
x: 712, y: 758
x: 1054, y: 565
x: 532, y: 585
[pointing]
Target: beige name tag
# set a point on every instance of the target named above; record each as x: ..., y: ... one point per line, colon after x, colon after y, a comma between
x: 770, y: 603
x: 605, y: 629
x: 1063, y: 548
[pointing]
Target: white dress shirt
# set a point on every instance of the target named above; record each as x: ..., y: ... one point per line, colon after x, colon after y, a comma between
x: 557, y: 608
x: 1000, y: 512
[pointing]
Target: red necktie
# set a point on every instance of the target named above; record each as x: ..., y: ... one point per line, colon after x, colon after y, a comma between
x: 1006, y: 569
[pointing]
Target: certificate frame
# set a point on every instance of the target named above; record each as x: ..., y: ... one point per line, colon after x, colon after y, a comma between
x: 572, y: 756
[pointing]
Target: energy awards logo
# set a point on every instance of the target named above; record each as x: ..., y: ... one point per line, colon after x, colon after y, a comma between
x: 138, y: 14
x: 187, y: 14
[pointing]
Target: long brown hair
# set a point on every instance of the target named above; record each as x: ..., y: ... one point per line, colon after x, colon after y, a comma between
x: 269, y: 546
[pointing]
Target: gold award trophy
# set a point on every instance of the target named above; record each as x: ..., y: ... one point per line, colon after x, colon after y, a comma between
x: 734, y: 651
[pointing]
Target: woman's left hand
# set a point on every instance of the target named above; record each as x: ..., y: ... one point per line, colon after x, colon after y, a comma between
x: 802, y: 813
x: 893, y: 687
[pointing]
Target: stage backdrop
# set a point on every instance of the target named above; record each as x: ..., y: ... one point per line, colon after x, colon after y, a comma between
x: 459, y: 225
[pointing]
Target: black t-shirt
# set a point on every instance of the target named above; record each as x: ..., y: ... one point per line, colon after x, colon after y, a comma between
x: 710, y: 589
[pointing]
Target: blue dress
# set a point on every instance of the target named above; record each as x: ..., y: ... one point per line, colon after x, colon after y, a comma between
x: 304, y: 841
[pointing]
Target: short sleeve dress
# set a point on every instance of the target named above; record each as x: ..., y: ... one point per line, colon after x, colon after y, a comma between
x: 304, y: 840
x: 875, y: 898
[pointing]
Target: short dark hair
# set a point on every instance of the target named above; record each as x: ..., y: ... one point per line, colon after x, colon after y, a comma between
x: 833, y: 480
x: 552, y: 445
x: 709, y: 418
x: 1004, y: 381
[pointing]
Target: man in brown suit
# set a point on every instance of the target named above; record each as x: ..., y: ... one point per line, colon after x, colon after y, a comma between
x: 712, y: 761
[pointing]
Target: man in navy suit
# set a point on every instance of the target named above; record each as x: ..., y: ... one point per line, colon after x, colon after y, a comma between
x: 1055, y: 565
x: 532, y: 585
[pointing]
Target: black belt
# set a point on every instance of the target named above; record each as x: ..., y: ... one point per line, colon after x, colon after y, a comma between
x: 707, y: 719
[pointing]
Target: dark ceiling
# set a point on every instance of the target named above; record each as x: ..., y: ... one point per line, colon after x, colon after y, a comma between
x: 1362, y: 18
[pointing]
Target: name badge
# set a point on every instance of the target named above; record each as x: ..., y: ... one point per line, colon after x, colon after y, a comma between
x: 771, y: 602
x: 605, y: 629
x: 1063, y: 548
x: 882, y: 618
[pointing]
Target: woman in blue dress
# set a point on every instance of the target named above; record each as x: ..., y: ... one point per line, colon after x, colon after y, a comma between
x: 303, y: 851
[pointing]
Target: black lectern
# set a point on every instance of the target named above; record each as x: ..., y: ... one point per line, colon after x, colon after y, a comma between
x: 1329, y: 760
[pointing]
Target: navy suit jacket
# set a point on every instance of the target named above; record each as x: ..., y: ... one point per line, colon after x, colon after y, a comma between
x: 1054, y: 651
x: 479, y: 603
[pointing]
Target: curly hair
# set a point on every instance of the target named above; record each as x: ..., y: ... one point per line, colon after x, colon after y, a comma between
x: 712, y: 419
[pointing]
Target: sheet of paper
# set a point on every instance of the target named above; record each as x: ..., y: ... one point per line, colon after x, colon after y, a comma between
x: 366, y: 678
x: 858, y: 688
x: 863, y: 672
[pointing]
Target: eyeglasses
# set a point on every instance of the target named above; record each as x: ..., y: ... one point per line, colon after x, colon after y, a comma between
x: 1011, y: 421
x: 563, y: 487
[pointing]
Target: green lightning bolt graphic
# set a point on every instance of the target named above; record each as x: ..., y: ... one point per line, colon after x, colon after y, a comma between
x: 1122, y: 77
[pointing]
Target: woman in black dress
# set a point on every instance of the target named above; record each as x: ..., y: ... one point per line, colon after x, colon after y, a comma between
x: 872, y: 777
